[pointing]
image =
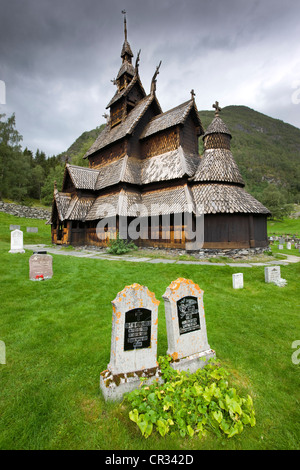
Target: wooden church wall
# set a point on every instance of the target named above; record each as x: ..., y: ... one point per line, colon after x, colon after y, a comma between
x: 260, y: 230
x: 226, y: 231
x: 161, y: 142
x: 116, y: 112
x: 135, y: 146
x: 188, y: 136
x: 108, y: 155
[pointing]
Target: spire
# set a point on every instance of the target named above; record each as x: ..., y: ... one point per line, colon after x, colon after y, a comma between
x: 125, y: 24
x: 126, y: 53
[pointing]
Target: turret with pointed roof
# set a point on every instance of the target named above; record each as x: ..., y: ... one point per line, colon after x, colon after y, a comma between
x: 218, y: 186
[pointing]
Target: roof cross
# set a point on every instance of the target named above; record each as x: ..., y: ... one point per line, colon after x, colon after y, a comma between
x: 193, y: 94
x: 217, y: 108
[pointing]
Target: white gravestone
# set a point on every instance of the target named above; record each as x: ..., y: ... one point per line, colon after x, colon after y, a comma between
x: 133, y: 342
x: 238, y: 281
x: 40, y: 267
x: 16, y: 242
x: 272, y: 275
x: 280, y: 247
x: 288, y: 246
x: 186, y: 326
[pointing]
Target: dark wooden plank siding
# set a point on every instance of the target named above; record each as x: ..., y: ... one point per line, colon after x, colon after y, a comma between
x: 188, y: 136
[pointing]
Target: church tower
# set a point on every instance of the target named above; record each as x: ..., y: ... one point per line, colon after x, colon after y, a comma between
x: 129, y: 87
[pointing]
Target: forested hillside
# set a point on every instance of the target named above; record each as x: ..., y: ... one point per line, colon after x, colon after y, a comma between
x: 266, y: 150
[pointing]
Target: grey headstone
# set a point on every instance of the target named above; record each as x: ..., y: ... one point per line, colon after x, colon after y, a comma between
x: 186, y: 326
x: 40, y: 267
x: 133, y: 342
x: 272, y: 274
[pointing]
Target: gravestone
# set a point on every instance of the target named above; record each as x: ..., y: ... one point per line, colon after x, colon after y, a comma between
x: 186, y: 326
x: 288, y: 246
x: 280, y: 247
x: 281, y: 241
x: 32, y: 229
x: 14, y: 227
x: 133, y: 342
x: 272, y: 275
x: 40, y: 267
x: 16, y: 242
x: 238, y: 281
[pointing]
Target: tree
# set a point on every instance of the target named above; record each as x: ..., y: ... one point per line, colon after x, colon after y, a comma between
x: 55, y: 174
x: 276, y: 202
x: 13, y: 166
x: 38, y: 176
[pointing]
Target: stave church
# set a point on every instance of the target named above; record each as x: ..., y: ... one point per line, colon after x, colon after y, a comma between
x: 145, y: 170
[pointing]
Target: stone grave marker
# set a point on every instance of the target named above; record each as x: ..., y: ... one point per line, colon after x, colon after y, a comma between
x: 238, y: 281
x: 14, y: 227
x: 32, y: 229
x: 186, y: 326
x: 280, y: 247
x: 133, y: 342
x: 288, y: 246
x: 40, y: 267
x: 16, y: 242
x: 272, y: 275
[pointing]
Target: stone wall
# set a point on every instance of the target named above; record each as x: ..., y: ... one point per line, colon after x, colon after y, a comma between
x: 24, y: 211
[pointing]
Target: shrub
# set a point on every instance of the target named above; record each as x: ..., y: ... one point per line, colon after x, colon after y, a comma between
x: 190, y: 404
x: 119, y: 246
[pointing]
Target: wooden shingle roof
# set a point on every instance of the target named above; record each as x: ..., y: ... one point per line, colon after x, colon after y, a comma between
x: 79, y: 207
x: 62, y: 201
x: 171, y: 118
x: 110, y: 135
x: 82, y: 177
x: 218, y: 165
x: 225, y: 198
x: 217, y: 126
x: 170, y: 165
x: 124, y: 92
x: 134, y: 203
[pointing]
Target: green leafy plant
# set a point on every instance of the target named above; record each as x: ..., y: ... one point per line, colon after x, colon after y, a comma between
x: 118, y: 246
x: 190, y: 404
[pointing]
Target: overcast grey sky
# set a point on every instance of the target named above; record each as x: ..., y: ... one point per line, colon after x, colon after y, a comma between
x: 58, y: 57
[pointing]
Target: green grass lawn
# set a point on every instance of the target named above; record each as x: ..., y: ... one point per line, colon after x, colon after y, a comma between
x: 284, y: 227
x: 57, y: 336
